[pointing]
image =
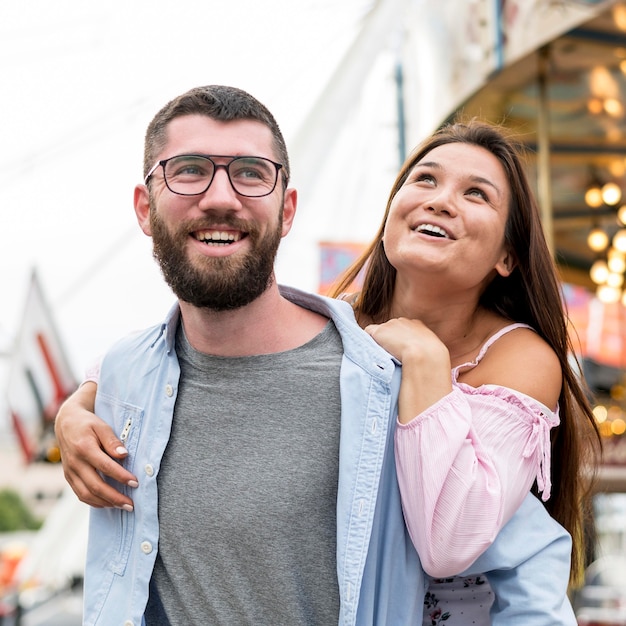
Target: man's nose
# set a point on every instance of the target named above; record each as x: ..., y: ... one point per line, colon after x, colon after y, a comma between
x: 220, y: 193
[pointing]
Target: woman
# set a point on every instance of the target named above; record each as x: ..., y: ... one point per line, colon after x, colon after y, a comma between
x: 459, y: 278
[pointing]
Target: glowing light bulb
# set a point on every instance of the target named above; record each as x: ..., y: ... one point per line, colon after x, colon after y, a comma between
x: 599, y: 272
x: 607, y: 294
x: 615, y: 280
x: 619, y: 240
x: 613, y: 107
x: 597, y: 240
x: 595, y: 106
x: 593, y: 196
x: 611, y: 194
x: 616, y: 261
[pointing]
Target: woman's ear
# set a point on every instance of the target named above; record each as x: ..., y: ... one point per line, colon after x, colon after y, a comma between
x: 506, y: 264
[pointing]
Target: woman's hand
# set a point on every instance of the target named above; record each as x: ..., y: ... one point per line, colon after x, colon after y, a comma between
x: 89, y: 448
x: 425, y: 363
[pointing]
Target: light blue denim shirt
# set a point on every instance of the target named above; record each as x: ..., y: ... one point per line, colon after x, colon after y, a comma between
x: 380, y: 577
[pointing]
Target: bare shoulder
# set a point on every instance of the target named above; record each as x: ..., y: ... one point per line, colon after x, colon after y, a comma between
x: 523, y: 361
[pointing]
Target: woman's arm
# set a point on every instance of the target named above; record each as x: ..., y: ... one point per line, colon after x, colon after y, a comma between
x: 464, y: 467
x: 89, y: 448
x: 469, y: 458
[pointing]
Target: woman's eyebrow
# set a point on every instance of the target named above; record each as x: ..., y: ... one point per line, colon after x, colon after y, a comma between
x: 486, y: 181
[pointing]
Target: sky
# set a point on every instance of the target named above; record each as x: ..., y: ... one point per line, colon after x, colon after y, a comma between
x: 80, y: 82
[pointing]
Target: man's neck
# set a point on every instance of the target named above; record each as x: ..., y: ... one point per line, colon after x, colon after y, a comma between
x: 269, y: 324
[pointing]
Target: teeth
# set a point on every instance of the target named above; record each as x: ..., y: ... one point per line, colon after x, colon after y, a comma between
x: 217, y: 237
x: 431, y: 229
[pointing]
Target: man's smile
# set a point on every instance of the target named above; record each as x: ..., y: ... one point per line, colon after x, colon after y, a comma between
x: 218, y: 237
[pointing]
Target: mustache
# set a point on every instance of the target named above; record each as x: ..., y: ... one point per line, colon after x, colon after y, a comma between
x: 213, y: 222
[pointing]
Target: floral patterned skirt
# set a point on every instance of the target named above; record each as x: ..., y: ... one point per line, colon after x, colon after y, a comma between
x: 458, y: 602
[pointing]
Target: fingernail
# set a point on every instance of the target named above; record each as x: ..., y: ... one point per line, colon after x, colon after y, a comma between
x: 133, y: 483
x: 127, y: 507
x: 121, y: 450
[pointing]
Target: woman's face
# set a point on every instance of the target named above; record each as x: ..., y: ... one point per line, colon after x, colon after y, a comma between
x: 449, y: 217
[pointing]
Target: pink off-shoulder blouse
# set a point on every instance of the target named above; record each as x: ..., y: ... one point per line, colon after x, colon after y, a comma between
x: 465, y: 465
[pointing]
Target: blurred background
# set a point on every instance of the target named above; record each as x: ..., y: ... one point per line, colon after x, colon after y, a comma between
x: 355, y: 86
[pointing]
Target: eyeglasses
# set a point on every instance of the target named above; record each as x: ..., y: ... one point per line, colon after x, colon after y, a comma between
x: 192, y: 174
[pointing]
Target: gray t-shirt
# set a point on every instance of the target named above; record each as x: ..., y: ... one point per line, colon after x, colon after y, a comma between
x: 248, y: 489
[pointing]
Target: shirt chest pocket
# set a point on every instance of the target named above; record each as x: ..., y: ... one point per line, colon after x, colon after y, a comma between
x: 126, y: 421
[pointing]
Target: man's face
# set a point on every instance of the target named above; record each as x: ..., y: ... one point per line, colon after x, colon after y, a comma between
x: 216, y: 250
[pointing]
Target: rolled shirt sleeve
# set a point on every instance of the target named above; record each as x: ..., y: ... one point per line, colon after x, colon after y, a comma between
x: 529, y: 576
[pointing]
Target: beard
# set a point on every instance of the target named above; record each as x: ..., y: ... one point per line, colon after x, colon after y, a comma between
x: 215, y: 283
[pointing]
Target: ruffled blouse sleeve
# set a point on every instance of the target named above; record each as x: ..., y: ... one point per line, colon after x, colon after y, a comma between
x: 464, y: 467
x: 92, y: 372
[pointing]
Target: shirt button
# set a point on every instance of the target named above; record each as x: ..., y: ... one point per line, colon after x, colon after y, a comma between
x: 149, y: 470
x: 146, y: 547
x: 169, y: 391
x: 128, y: 623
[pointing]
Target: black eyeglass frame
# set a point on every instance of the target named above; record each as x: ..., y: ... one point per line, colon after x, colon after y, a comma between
x: 216, y: 166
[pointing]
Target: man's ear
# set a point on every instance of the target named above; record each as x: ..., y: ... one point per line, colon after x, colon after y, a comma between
x: 141, y: 202
x: 290, y: 202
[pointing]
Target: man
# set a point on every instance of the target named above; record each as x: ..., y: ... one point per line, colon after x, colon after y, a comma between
x: 256, y: 423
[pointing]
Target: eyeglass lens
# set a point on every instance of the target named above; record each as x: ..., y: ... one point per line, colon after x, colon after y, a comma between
x: 249, y: 176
